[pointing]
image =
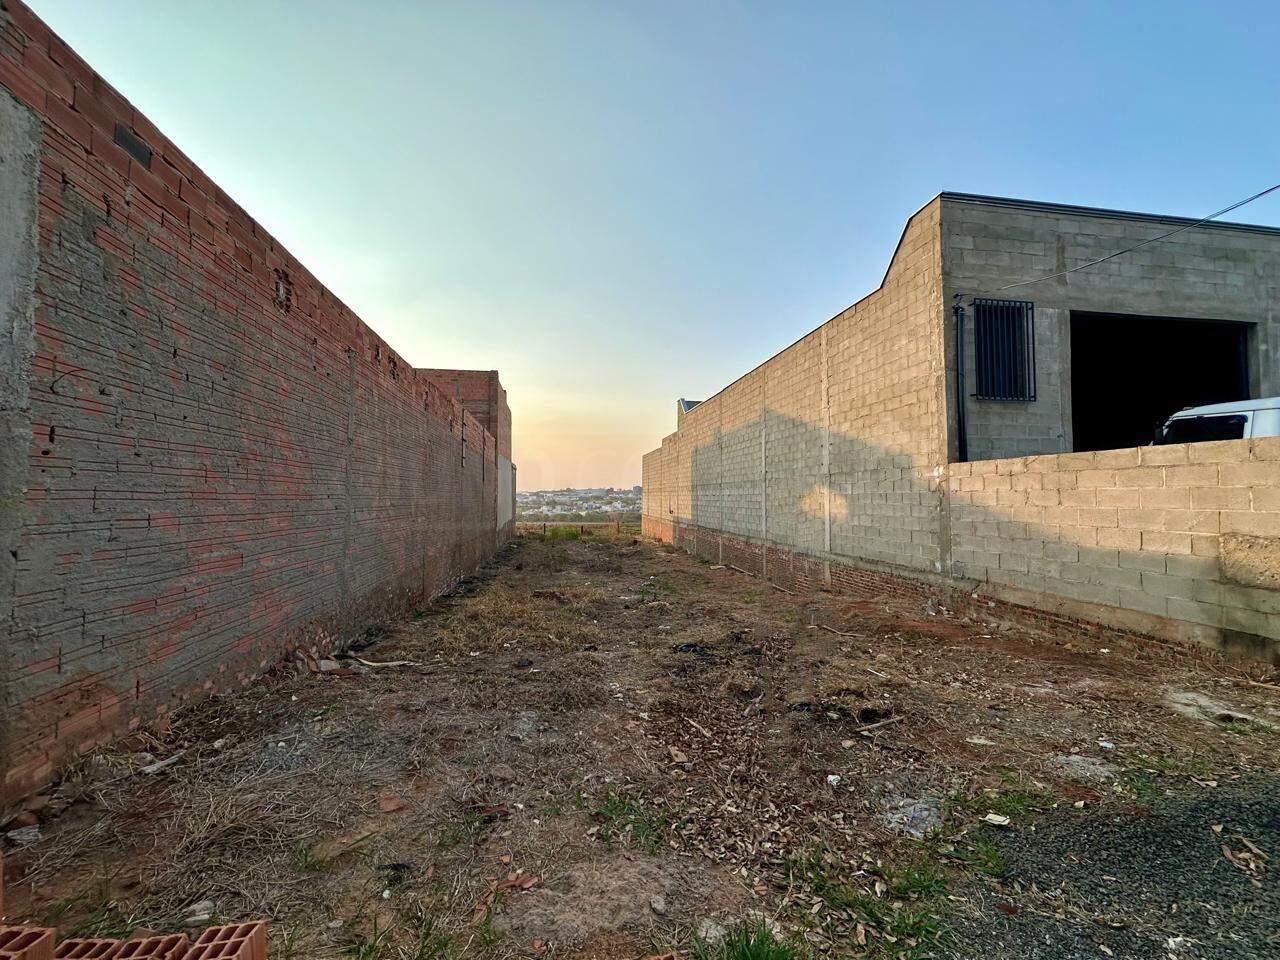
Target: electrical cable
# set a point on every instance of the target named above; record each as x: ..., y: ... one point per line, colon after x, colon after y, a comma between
x: 1163, y: 236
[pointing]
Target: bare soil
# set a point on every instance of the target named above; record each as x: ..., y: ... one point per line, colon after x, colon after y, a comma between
x: 600, y: 745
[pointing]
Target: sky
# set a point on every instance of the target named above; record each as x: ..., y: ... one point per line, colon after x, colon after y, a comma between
x: 617, y: 204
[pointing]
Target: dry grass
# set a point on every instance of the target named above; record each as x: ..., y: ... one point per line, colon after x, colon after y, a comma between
x: 623, y: 723
x: 505, y: 615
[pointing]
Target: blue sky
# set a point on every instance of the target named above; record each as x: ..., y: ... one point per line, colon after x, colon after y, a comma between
x: 619, y: 203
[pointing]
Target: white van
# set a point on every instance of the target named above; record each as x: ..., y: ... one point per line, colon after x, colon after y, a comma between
x: 1224, y: 421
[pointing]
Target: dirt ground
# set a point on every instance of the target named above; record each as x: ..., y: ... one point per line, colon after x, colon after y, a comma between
x: 601, y: 747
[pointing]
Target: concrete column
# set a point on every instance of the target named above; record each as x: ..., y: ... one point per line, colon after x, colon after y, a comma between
x: 764, y: 477
x: 826, y: 460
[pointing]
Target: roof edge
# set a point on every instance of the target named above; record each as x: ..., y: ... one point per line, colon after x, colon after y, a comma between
x: 1046, y: 207
x: 835, y: 316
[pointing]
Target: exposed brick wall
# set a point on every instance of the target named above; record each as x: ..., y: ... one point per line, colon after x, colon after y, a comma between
x: 1179, y: 540
x: 481, y: 394
x: 220, y: 460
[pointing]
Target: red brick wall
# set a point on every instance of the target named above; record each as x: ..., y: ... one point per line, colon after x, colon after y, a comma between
x: 481, y: 394
x: 224, y: 461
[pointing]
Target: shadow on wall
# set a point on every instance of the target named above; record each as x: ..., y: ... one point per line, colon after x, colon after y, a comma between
x: 1175, y: 541
x: 859, y: 500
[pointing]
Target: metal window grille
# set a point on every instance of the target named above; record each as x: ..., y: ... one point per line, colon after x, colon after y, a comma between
x: 1005, y: 348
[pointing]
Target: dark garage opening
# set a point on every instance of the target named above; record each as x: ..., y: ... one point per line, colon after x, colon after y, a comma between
x: 1128, y: 374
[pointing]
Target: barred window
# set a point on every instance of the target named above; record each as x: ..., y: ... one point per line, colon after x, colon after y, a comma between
x: 1005, y: 348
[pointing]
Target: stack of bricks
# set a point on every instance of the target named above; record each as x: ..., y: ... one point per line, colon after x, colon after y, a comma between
x: 217, y: 460
x: 237, y: 941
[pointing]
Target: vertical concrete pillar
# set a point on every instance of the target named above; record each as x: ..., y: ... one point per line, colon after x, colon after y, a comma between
x: 764, y: 477
x: 826, y: 460
x: 19, y: 172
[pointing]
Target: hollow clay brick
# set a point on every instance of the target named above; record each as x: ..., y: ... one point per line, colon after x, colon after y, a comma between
x: 86, y: 949
x: 26, y: 943
x: 174, y: 946
x: 235, y: 941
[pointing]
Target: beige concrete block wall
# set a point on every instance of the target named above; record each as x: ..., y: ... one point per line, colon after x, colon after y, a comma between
x: 795, y: 436
x: 835, y: 447
x: 741, y: 413
x: 886, y: 376
x: 1180, y: 541
x: 657, y: 500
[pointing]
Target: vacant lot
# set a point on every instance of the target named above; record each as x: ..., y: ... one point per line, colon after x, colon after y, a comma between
x: 604, y: 748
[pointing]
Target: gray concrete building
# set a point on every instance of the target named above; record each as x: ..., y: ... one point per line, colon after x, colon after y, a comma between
x: 961, y: 424
x: 1120, y: 345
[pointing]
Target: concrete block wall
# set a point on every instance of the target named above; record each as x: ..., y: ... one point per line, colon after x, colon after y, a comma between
x: 1211, y: 272
x: 829, y: 462
x: 206, y: 458
x: 1178, y: 541
x: 833, y: 449
x: 886, y: 380
x: 657, y: 497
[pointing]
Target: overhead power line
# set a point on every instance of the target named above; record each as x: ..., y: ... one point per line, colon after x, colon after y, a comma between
x: 1163, y: 236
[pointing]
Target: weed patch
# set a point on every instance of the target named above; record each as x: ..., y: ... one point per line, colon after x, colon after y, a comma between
x: 372, y: 946
x: 627, y: 820
x: 455, y: 833
x: 107, y: 919
x: 1246, y: 728
x: 754, y: 941
x: 656, y: 587
x: 981, y: 854
x: 561, y: 533
x: 899, y: 915
x: 430, y: 943
x: 1015, y: 803
x: 1176, y: 766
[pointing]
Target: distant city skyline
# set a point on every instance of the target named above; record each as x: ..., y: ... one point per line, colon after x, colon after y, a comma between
x: 617, y: 205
